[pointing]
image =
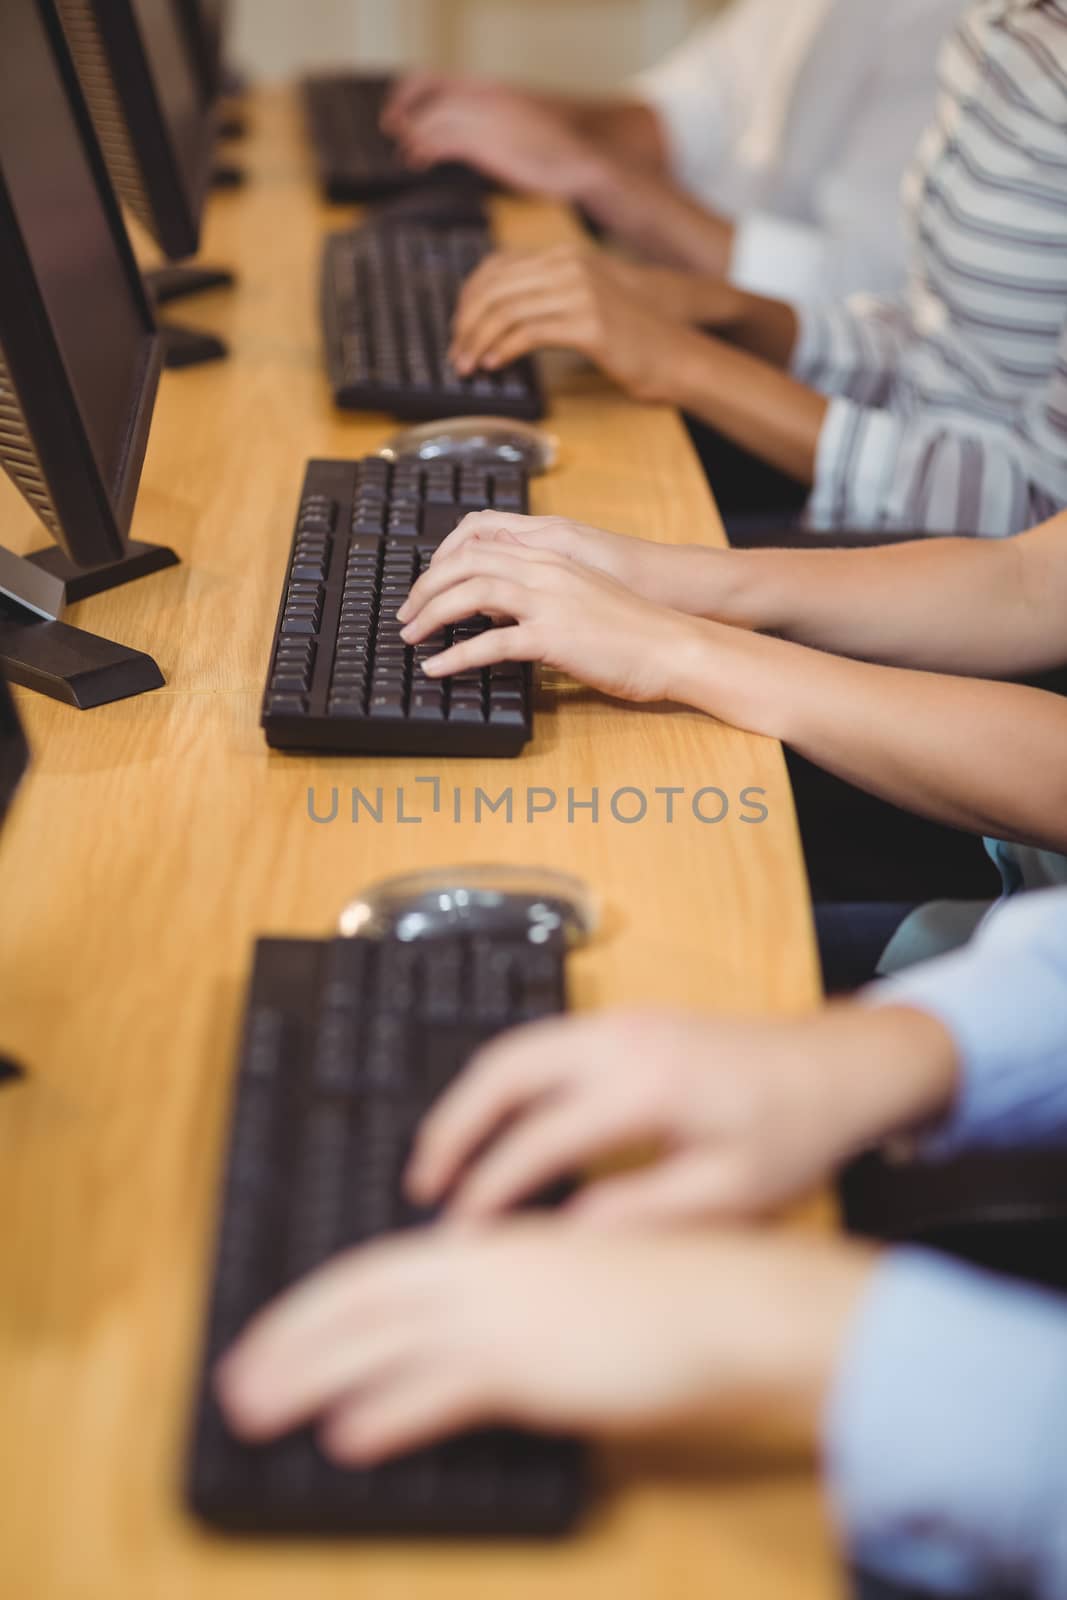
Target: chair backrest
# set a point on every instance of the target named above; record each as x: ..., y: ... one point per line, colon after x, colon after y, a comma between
x: 1003, y: 1210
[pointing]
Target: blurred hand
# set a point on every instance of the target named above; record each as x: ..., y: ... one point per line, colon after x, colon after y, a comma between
x: 572, y: 298
x: 414, y: 91
x: 683, y: 577
x: 510, y: 136
x: 562, y: 615
x: 396, y: 1345
x: 689, y: 297
x: 745, y: 1116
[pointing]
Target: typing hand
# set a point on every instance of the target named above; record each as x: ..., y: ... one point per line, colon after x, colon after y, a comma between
x: 683, y: 577
x: 396, y: 1345
x: 688, y: 297
x: 571, y: 298
x: 561, y: 615
x: 510, y: 136
x: 411, y: 94
x: 744, y: 1116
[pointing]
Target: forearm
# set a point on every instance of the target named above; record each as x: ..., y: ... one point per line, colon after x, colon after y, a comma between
x: 986, y: 757
x: 765, y: 328
x: 649, y: 212
x: 629, y: 130
x: 750, y: 402
x: 966, y: 606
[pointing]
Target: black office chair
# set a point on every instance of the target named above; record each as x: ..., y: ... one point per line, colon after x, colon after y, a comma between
x: 1006, y: 1211
x: 868, y: 1588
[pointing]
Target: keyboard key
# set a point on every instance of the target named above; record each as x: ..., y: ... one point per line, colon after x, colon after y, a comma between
x: 386, y: 706
x: 506, y: 716
x: 466, y: 712
x: 427, y: 708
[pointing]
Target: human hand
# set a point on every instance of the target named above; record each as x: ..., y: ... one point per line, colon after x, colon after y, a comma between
x: 514, y: 137
x: 683, y: 577
x: 395, y: 1345
x: 683, y: 296
x: 572, y: 298
x: 414, y: 91
x: 562, y: 615
x: 745, y: 1116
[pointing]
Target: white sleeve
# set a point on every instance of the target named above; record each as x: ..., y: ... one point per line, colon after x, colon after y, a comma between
x: 854, y: 238
x: 701, y: 91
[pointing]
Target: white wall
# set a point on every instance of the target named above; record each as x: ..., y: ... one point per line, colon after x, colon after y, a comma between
x: 574, y: 43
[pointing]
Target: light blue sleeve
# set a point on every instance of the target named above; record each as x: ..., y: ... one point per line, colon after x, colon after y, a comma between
x: 1004, y: 1000
x: 945, y: 1435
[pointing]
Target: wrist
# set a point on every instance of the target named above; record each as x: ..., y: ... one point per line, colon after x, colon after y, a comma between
x: 718, y: 584
x: 693, y: 365
x: 597, y: 183
x: 730, y: 674
x: 788, y: 1376
x: 679, y: 366
x: 712, y: 301
x: 909, y: 1080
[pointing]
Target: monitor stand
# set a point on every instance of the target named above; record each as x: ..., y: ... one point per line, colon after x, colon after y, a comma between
x: 10, y: 1072
x: 187, y: 347
x: 225, y: 175
x: 41, y: 653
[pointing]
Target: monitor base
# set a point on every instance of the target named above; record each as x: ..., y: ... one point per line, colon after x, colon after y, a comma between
x: 79, y: 583
x: 189, y: 347
x: 69, y: 664
x: 226, y: 176
x: 165, y: 284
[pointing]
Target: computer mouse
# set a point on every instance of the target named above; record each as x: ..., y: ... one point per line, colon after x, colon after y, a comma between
x: 448, y: 205
x: 493, y: 440
x: 475, y: 899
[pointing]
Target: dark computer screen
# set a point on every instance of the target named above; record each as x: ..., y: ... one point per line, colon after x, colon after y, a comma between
x: 14, y: 752
x: 205, y: 23
x: 73, y: 247
x: 154, y: 123
x: 171, y: 64
x: 79, y: 345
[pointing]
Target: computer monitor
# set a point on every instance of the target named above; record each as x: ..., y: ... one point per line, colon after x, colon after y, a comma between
x: 156, y: 126
x: 156, y: 132
x: 204, y: 22
x: 14, y: 758
x: 79, y: 364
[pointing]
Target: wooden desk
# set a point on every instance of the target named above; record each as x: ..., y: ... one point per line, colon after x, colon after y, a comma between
x: 157, y: 837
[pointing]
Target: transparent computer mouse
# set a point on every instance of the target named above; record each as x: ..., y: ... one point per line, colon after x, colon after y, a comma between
x: 477, y: 439
x: 505, y: 900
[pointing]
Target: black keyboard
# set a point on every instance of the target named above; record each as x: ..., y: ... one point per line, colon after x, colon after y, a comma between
x: 341, y: 678
x: 346, y: 1044
x: 357, y: 162
x: 389, y: 295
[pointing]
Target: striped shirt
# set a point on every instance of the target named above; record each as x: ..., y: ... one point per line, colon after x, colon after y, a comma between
x: 949, y: 401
